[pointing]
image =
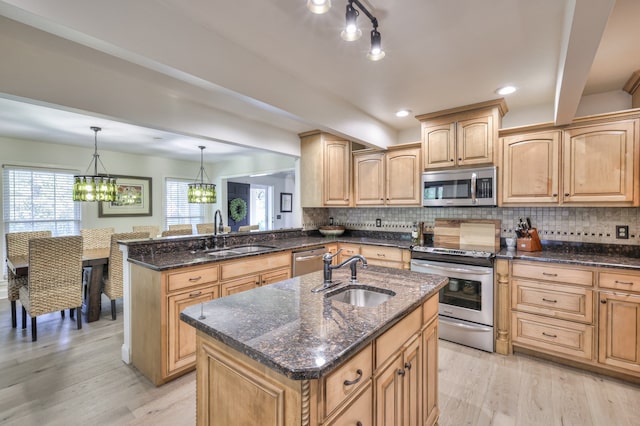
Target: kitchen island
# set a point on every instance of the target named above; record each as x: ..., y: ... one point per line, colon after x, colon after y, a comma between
x: 281, y: 354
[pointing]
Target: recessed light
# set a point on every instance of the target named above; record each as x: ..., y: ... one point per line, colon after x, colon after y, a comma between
x: 506, y: 90
x: 403, y: 113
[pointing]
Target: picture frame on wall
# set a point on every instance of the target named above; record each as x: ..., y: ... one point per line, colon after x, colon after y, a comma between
x: 133, y: 198
x: 286, y: 199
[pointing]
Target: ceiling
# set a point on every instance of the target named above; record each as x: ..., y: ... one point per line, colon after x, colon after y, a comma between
x: 164, y: 76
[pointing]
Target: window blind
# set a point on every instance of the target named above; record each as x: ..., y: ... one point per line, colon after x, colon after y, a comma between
x: 177, y: 209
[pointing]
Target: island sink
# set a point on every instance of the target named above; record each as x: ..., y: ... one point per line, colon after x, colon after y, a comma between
x: 239, y: 250
x: 362, y: 296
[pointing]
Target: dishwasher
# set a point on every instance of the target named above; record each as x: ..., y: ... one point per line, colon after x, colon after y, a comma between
x: 307, y: 261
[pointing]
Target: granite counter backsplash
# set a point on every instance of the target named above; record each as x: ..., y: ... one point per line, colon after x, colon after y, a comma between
x: 304, y: 335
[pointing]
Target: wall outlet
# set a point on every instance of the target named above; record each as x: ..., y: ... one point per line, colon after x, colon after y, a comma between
x: 378, y: 223
x: 622, y: 232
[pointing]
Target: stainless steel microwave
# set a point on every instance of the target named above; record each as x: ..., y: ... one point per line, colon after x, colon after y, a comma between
x: 460, y: 187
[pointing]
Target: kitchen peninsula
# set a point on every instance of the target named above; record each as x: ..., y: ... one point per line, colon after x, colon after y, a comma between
x: 284, y: 355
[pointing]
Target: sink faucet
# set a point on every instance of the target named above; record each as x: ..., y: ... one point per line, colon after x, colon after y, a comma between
x: 328, y: 268
x: 217, y: 214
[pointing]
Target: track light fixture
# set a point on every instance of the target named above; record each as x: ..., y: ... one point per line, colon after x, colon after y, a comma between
x: 351, y: 31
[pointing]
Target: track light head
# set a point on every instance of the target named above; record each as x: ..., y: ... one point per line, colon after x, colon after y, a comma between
x: 376, y: 53
x: 351, y: 31
x: 319, y: 6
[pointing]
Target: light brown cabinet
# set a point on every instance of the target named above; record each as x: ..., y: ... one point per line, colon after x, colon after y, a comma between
x: 325, y: 170
x: 391, y: 257
x: 463, y: 136
x: 387, y: 178
x: 587, y: 165
x: 249, y: 273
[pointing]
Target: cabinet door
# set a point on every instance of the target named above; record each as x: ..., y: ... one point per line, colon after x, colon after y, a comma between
x: 412, y: 384
x: 403, y: 180
x: 530, y: 166
x: 389, y: 394
x: 239, y: 285
x: 181, y: 346
x: 600, y: 162
x: 275, y: 276
x: 619, y: 332
x: 430, y: 411
x: 337, y: 172
x: 474, y: 141
x: 368, y: 174
x: 438, y: 146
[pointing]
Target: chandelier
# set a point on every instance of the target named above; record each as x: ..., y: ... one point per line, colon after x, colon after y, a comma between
x: 94, y: 187
x: 201, y: 192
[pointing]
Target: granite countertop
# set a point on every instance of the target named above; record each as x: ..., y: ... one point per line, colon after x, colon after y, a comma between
x: 301, y: 334
x: 606, y: 260
x: 182, y: 258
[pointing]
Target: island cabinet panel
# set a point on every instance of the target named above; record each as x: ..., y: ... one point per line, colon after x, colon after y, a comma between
x: 348, y: 378
x: 430, y: 411
x: 394, y: 339
x: 619, y: 331
x: 358, y: 412
x: 388, y: 393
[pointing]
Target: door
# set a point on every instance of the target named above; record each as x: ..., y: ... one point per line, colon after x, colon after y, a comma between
x: 238, y: 191
x: 239, y: 285
x: 412, y: 384
x: 368, y: 173
x: 619, y: 332
x: 430, y: 409
x: 389, y: 394
x: 438, y: 146
x: 530, y: 166
x: 474, y: 140
x: 337, y: 172
x: 403, y: 177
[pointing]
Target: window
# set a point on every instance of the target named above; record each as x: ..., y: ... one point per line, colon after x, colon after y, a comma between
x: 38, y: 199
x: 177, y: 209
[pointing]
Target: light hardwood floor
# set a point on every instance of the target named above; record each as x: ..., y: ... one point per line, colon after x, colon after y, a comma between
x: 74, y: 376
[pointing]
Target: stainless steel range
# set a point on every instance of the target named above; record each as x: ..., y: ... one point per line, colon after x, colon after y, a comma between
x: 466, y: 303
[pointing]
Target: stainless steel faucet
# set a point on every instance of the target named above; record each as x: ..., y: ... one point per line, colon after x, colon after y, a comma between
x: 327, y: 258
x: 215, y: 222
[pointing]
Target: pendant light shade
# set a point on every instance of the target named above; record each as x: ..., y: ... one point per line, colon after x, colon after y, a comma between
x: 94, y: 187
x: 319, y: 6
x: 201, y: 192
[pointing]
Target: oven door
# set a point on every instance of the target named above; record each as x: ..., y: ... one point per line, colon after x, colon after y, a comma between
x: 469, y: 294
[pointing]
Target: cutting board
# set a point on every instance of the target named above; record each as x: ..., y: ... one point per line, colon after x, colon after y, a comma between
x: 467, y: 233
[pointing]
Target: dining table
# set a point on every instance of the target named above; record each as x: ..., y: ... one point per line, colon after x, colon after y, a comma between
x: 97, y: 259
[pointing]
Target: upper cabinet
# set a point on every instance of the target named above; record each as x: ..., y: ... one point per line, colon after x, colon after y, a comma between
x: 587, y: 165
x: 325, y: 170
x: 462, y: 136
x: 387, y: 178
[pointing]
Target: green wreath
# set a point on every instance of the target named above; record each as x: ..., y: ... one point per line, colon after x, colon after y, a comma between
x: 238, y: 209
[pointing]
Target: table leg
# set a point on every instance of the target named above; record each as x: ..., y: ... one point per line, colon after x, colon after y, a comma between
x: 92, y: 304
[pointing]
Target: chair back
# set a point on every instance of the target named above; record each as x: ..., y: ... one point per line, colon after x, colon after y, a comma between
x: 181, y: 226
x: 96, y: 238
x: 17, y: 243
x: 113, y: 286
x: 205, y: 228
x: 55, y: 274
x: 153, y: 230
x: 174, y: 232
x: 246, y: 228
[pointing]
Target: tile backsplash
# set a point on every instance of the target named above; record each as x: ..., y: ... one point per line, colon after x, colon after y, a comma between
x: 588, y: 224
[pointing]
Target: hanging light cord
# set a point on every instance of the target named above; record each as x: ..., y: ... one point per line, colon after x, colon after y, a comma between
x: 202, y: 173
x: 96, y: 157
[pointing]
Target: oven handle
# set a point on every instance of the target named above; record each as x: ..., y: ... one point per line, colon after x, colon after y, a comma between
x: 460, y: 324
x: 474, y: 180
x: 461, y: 270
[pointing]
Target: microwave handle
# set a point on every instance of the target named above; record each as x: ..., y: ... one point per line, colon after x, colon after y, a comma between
x: 474, y: 182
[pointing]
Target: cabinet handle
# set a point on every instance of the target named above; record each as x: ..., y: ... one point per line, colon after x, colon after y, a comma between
x: 549, y: 335
x: 354, y: 381
x: 603, y: 301
x: 358, y: 423
x: 549, y: 274
x: 407, y: 365
x: 451, y: 159
x: 401, y: 372
x: 566, y: 194
x: 194, y: 279
x: 555, y: 195
x: 196, y: 294
x: 381, y: 255
x: 459, y: 159
x: 624, y: 282
x: 257, y: 282
x: 549, y: 300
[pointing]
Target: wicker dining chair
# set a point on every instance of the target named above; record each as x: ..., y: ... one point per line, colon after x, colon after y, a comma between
x: 114, y: 282
x: 55, y: 279
x: 205, y: 228
x: 96, y: 238
x: 181, y: 226
x: 174, y: 232
x: 17, y: 244
x: 153, y: 230
x: 247, y: 228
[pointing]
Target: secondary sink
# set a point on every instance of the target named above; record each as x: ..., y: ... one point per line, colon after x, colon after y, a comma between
x: 251, y: 248
x: 363, y: 296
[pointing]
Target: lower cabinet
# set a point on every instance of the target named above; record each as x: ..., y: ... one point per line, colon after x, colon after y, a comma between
x: 391, y: 257
x: 620, y: 331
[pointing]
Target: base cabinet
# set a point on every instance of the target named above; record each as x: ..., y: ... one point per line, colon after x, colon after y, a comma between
x: 620, y: 331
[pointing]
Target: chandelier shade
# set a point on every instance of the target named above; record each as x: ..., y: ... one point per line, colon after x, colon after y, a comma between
x: 94, y: 187
x: 201, y: 192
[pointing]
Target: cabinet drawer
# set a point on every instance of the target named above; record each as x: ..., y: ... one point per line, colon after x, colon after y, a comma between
x: 349, y: 377
x: 349, y: 250
x: 356, y: 412
x: 396, y: 336
x: 391, y: 254
x: 555, y: 300
x: 619, y: 281
x: 191, y: 277
x: 254, y: 265
x: 553, y: 335
x: 275, y: 276
x: 553, y: 272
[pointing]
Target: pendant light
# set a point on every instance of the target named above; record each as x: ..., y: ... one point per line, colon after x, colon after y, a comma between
x: 94, y: 187
x: 201, y: 192
x: 319, y: 6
